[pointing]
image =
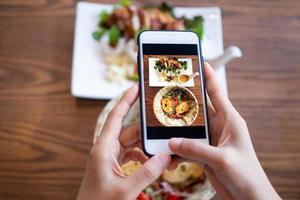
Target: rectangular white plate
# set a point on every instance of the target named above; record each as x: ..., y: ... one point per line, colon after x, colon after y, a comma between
x: 88, y: 71
x: 156, y: 81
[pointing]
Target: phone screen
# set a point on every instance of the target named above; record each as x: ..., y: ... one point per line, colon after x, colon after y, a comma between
x: 173, y: 93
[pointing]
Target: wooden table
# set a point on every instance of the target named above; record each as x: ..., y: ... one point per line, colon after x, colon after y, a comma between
x: 46, y: 134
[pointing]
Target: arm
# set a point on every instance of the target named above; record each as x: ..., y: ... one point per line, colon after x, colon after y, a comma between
x: 232, y: 164
x: 103, y: 178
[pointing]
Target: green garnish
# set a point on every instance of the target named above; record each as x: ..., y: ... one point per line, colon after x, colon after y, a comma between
x: 134, y: 77
x: 199, y: 31
x: 98, y: 34
x: 166, y: 7
x: 195, y: 25
x: 184, y: 64
x: 114, y: 35
x: 103, y: 17
x: 125, y: 3
x: 190, y: 178
x: 158, y: 197
x: 172, y: 65
x: 182, y: 167
x: 149, y: 190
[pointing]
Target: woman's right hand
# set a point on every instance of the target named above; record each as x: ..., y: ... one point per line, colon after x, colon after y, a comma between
x: 232, y: 165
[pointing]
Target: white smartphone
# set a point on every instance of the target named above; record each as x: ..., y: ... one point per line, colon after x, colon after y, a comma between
x: 172, y: 89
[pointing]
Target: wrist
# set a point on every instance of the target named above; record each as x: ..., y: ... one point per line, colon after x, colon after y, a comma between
x: 260, y: 188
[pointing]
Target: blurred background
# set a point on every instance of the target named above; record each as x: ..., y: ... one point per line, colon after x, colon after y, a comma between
x: 46, y: 133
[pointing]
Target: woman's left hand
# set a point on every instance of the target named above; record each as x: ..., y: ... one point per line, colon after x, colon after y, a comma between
x: 103, y: 178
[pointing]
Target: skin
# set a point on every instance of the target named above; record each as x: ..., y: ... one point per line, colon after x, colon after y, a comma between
x: 116, y: 145
x: 230, y: 163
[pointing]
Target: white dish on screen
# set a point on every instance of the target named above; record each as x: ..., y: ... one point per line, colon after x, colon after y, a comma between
x: 155, y: 80
x: 88, y: 71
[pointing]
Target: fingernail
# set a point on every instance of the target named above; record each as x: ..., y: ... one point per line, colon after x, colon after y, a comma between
x: 164, y: 158
x: 175, y: 143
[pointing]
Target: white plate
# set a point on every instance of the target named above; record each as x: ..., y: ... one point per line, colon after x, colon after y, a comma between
x: 156, y: 81
x: 88, y: 71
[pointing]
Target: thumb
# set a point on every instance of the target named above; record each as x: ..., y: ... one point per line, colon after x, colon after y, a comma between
x: 215, y: 92
x: 195, y: 151
x: 148, y: 173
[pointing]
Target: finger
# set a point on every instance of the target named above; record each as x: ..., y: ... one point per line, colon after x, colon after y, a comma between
x: 215, y: 91
x: 124, y: 150
x: 135, y: 155
x: 211, y: 111
x: 148, y: 173
x: 138, y: 144
x: 135, y: 145
x: 113, y: 123
x: 195, y: 151
x: 130, y: 135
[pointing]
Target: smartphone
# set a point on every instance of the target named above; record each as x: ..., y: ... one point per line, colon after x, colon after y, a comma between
x: 172, y: 89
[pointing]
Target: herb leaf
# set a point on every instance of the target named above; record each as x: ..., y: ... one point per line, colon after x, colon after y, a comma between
x: 103, y: 17
x: 114, y: 35
x: 166, y: 7
x: 98, y: 34
x: 134, y: 77
x: 196, y: 25
x: 125, y: 3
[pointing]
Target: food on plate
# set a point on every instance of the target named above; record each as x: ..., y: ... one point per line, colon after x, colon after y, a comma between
x: 180, y: 183
x: 175, y: 106
x: 166, y: 105
x: 182, y: 108
x: 169, y: 67
x: 117, y: 31
x: 184, y: 174
x: 130, y: 167
x: 179, y: 103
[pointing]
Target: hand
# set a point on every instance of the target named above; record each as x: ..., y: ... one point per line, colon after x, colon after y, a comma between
x: 103, y: 178
x: 232, y: 165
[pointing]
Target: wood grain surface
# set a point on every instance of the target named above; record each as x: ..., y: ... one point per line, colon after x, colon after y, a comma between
x: 150, y: 92
x: 46, y: 134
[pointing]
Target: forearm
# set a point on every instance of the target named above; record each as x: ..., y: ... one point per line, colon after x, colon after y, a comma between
x: 249, y: 182
x: 260, y: 188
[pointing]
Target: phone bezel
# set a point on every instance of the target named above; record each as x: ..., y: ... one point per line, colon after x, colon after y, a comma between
x: 153, y: 146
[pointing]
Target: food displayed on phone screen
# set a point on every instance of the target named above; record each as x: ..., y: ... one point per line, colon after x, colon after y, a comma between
x: 175, y: 106
x: 169, y: 68
x: 173, y: 87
